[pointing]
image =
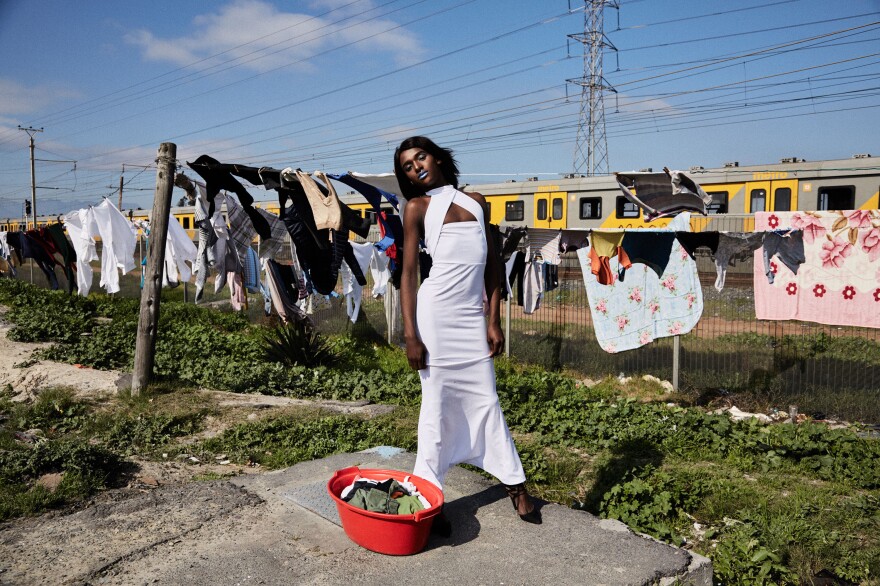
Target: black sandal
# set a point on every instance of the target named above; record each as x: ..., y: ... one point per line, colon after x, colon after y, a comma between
x: 517, y: 491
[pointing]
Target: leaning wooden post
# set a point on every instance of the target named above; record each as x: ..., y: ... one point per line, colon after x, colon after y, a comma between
x: 148, y: 320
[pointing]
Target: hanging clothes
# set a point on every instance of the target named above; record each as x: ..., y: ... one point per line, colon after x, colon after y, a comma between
x: 734, y: 247
x: 179, y: 250
x: 371, y: 193
x: 325, y: 208
x: 663, y: 194
x: 34, y: 249
x: 380, y: 273
x: 81, y: 227
x: 787, y: 247
x: 282, y: 284
x: 546, y: 243
x: 218, y: 177
x: 648, y: 247
x: 604, y: 246
x: 691, y: 241
x: 838, y: 282
x: 351, y: 288
x: 269, y: 247
x: 119, y: 240
x: 533, y: 285
x: 65, y: 250
x: 572, y: 240
x: 205, y: 253
x: 631, y: 313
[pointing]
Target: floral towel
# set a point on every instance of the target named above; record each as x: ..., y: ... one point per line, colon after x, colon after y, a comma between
x: 839, y: 282
x: 633, y: 312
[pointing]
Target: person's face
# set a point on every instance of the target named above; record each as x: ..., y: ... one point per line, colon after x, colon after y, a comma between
x: 422, y: 169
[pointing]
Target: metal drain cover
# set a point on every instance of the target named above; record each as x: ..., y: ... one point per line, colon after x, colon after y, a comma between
x: 314, y: 497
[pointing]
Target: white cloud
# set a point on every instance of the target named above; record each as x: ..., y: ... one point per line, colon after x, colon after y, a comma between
x: 258, y: 36
x: 17, y: 98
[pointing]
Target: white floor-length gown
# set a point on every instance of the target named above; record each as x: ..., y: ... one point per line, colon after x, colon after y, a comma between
x: 460, y: 419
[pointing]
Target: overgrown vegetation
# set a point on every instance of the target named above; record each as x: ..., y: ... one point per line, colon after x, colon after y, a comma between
x: 769, y: 504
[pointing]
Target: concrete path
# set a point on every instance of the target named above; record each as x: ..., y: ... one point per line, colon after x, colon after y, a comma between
x: 278, y: 528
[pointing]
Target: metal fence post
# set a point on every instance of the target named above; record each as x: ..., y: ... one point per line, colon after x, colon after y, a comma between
x: 507, y: 326
x: 676, y: 360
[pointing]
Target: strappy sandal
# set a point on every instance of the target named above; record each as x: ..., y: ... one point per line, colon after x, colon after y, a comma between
x: 518, y: 491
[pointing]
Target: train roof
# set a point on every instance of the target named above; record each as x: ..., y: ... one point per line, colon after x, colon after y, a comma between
x: 732, y: 172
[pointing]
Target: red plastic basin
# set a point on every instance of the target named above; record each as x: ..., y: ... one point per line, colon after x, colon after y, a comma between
x: 379, y: 532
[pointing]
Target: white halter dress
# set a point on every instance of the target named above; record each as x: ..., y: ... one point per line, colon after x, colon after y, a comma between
x: 460, y: 419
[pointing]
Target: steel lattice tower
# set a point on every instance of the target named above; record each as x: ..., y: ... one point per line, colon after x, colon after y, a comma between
x: 591, y: 149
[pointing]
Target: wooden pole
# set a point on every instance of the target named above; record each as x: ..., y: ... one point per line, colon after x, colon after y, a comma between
x: 148, y: 320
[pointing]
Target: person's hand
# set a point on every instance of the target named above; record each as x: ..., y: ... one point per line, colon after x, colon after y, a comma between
x: 495, y: 337
x: 416, y: 354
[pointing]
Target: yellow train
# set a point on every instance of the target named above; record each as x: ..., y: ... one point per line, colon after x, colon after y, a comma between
x: 597, y: 202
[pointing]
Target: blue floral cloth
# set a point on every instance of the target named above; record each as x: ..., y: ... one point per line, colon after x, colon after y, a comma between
x: 643, y: 307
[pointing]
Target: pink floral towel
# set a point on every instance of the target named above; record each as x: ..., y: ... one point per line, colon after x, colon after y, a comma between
x: 839, y: 284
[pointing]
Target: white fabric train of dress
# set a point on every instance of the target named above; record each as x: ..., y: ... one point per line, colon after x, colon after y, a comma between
x: 460, y: 419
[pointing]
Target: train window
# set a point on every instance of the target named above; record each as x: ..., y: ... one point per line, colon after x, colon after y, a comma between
x: 591, y: 208
x: 782, y: 199
x: 837, y: 198
x: 372, y: 216
x: 718, y: 205
x: 626, y: 208
x: 489, y: 209
x: 186, y: 222
x: 514, y: 211
x: 558, y: 204
x: 542, y: 209
x: 759, y: 200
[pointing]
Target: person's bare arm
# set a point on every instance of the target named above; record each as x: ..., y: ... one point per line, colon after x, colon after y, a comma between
x: 413, y: 231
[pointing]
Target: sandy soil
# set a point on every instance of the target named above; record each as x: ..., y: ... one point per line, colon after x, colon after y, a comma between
x: 28, y: 381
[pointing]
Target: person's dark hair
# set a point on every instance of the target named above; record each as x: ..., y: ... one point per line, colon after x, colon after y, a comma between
x: 449, y: 165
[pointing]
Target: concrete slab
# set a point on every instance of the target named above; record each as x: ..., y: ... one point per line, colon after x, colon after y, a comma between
x: 489, y: 544
x: 273, y: 528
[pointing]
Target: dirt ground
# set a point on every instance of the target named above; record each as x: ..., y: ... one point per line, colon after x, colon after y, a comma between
x: 162, y: 504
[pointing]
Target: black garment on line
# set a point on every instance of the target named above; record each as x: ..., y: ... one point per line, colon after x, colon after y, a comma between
x: 218, y: 177
x: 32, y: 249
x: 267, y: 176
x: 517, y: 272
x: 320, y: 255
x: 691, y: 241
x: 68, y: 253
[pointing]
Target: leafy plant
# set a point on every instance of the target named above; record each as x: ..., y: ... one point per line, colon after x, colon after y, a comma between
x: 299, y: 344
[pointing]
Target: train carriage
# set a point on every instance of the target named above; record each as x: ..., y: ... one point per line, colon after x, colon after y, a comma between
x: 597, y: 202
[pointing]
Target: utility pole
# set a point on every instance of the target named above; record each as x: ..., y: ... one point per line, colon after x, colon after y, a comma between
x: 31, y: 132
x: 591, y: 150
x: 119, y: 207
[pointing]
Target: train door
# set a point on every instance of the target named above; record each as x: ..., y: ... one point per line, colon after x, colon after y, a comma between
x: 771, y: 196
x: 550, y: 210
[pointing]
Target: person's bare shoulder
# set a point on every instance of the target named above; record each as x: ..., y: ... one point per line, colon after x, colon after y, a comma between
x: 414, y: 210
x: 477, y: 196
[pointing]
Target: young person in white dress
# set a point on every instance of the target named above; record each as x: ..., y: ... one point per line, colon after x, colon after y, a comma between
x: 448, y: 337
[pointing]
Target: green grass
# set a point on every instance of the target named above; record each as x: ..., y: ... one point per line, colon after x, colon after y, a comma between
x: 769, y: 504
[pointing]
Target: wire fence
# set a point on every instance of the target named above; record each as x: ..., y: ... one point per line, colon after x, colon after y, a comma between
x: 828, y: 371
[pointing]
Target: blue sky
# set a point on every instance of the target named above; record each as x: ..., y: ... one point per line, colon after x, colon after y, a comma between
x: 336, y: 84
